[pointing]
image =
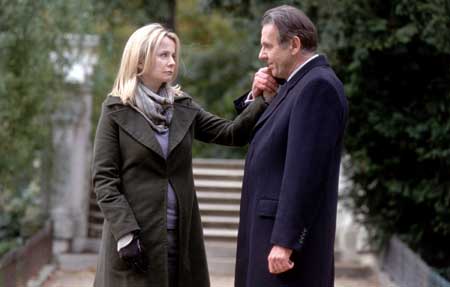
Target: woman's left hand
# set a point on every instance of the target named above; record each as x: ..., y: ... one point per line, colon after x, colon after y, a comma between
x: 134, y: 255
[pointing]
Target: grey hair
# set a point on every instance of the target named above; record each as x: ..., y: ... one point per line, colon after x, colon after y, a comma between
x: 291, y: 22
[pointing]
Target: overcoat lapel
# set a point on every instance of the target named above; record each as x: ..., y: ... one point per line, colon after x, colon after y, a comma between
x: 138, y: 128
x: 284, y: 90
x: 183, y: 116
x: 276, y: 102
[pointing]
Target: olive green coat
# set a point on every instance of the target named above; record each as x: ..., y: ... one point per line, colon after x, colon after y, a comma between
x: 130, y: 177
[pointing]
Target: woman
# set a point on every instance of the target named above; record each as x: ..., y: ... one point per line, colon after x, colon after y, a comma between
x: 142, y: 168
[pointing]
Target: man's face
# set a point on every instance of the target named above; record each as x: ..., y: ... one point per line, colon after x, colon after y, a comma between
x: 278, y: 57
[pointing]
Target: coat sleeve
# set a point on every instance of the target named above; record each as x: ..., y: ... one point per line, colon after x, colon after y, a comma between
x: 106, y: 179
x: 213, y: 129
x: 240, y: 104
x: 315, y: 127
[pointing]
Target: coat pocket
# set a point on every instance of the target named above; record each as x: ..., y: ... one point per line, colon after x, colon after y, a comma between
x: 267, y: 208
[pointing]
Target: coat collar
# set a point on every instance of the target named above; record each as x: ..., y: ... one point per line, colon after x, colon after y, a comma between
x: 137, y: 126
x: 183, y: 116
x: 284, y: 90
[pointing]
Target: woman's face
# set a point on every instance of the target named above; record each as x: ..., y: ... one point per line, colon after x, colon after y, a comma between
x: 164, y: 65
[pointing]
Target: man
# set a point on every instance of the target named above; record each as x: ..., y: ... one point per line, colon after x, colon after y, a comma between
x: 290, y: 189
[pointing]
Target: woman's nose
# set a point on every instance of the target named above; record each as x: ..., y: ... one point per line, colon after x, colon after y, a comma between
x: 171, y: 61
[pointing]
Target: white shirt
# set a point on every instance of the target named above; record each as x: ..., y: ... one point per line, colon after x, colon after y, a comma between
x: 301, y: 66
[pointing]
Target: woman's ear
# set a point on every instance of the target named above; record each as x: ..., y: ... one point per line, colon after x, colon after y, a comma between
x: 140, y: 67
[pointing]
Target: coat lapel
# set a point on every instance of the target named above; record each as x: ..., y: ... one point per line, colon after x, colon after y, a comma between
x: 183, y: 116
x: 276, y: 102
x: 138, y: 128
x: 284, y: 90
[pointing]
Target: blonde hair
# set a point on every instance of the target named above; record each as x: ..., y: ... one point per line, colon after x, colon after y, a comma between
x: 141, y: 49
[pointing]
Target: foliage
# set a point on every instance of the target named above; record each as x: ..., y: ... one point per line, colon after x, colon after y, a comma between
x: 31, y: 65
x: 394, y: 58
x: 22, y: 216
x: 218, y: 59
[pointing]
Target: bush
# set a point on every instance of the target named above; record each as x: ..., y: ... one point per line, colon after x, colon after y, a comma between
x: 32, y: 61
x: 394, y: 59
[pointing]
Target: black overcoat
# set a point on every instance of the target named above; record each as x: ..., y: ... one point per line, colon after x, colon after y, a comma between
x: 131, y: 175
x: 290, y: 187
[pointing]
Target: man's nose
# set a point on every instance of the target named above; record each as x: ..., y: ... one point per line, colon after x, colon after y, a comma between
x: 262, y: 55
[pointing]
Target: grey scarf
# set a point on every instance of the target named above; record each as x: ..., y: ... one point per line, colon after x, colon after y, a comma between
x: 158, y: 109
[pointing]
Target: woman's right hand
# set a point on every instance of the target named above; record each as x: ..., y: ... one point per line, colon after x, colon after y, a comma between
x: 133, y: 254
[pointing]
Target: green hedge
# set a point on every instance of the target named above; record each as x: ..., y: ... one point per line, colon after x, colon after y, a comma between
x: 32, y: 45
x: 394, y: 58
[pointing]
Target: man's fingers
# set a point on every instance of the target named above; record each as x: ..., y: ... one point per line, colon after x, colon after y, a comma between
x: 262, y: 87
x: 265, y: 77
x: 268, y: 78
x: 274, y: 264
x: 263, y: 84
x: 279, y: 265
x: 271, y: 268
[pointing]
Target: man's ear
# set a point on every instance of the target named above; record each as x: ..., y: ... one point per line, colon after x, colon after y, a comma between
x: 296, y: 45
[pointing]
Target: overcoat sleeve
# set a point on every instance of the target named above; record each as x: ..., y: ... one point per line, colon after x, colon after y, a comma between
x: 106, y: 178
x: 315, y: 125
x: 240, y: 104
x: 213, y: 129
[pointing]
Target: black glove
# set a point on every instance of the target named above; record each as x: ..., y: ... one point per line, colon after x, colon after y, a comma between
x: 133, y: 254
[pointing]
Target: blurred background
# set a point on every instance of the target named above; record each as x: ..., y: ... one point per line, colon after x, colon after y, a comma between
x: 58, y: 60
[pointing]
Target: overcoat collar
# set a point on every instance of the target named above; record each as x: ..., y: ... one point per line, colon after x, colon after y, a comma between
x: 284, y: 90
x: 132, y: 122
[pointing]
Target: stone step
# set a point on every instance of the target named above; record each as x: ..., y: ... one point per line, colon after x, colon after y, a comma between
x: 211, y: 221
x: 219, y: 209
x: 95, y: 230
x: 218, y: 174
x: 218, y: 197
x: 221, y: 266
x: 222, y: 260
x: 352, y: 270
x: 96, y: 217
x: 221, y: 186
x: 218, y: 163
x: 76, y: 261
x: 220, y: 249
x: 220, y: 234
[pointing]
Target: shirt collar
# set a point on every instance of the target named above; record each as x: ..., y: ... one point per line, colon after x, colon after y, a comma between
x: 301, y: 66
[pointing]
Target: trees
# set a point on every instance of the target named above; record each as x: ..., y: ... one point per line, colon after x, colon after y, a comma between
x: 394, y: 59
x: 31, y: 67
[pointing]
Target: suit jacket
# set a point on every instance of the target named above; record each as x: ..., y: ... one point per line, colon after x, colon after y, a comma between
x: 290, y: 186
x: 131, y: 175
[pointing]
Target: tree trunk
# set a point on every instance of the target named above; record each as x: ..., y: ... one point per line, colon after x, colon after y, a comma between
x: 172, y: 5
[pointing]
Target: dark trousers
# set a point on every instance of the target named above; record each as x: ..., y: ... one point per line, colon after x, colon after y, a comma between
x: 172, y: 239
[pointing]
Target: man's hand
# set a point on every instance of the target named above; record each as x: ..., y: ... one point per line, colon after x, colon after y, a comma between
x: 264, y: 82
x: 279, y: 261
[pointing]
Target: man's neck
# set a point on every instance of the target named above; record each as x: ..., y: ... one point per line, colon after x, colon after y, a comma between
x: 299, y: 63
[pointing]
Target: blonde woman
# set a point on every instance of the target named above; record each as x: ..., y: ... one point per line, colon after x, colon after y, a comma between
x: 142, y: 168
